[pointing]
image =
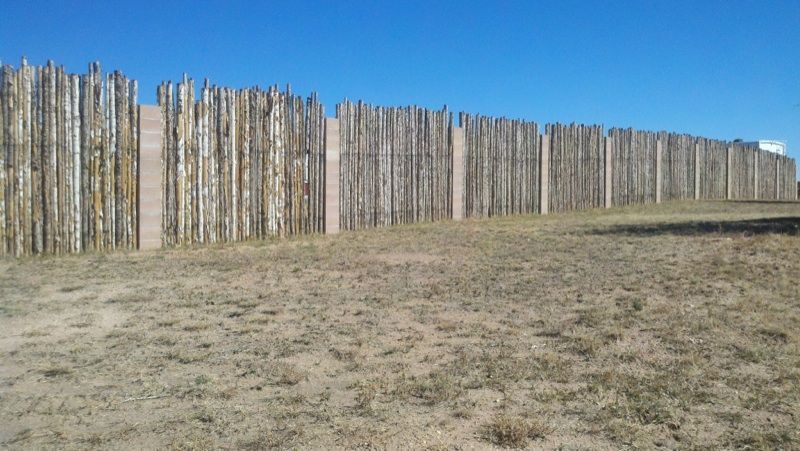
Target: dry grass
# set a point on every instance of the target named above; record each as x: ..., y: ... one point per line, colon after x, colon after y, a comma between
x: 668, y: 326
x: 512, y: 432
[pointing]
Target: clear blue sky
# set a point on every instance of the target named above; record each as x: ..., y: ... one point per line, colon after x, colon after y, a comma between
x: 722, y: 69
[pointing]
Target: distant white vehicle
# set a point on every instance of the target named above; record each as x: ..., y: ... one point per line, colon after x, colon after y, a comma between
x: 778, y: 147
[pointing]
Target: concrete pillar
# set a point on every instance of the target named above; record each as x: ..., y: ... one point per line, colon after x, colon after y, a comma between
x: 458, y: 173
x: 755, y: 178
x: 659, y: 150
x: 608, y: 175
x: 331, y: 175
x: 730, y: 175
x: 149, y: 202
x: 544, y: 175
x: 696, y: 171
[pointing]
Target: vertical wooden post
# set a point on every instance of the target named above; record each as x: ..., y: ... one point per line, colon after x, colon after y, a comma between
x: 730, y: 174
x: 658, y: 171
x: 458, y: 173
x: 332, y: 192
x: 149, y: 202
x: 755, y: 177
x: 609, y: 173
x: 696, y: 171
x: 777, y: 178
x: 544, y: 175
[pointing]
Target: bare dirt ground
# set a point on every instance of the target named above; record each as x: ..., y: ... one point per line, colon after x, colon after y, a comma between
x: 670, y: 326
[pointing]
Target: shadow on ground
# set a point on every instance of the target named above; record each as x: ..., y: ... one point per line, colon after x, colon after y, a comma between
x: 783, y: 226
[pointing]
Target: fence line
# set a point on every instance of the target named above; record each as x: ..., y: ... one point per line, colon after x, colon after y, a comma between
x: 68, y: 160
x: 743, y: 171
x: 677, y: 166
x: 689, y: 166
x: 776, y: 176
x: 396, y: 165
x: 767, y: 165
x: 240, y: 164
x: 251, y: 163
x: 577, y: 162
x: 501, y: 166
x: 713, y: 168
x: 788, y: 178
x: 634, y: 166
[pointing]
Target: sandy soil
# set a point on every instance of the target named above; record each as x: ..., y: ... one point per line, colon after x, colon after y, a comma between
x: 665, y: 326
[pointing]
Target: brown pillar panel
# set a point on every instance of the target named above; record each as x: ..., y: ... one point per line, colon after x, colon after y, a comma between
x: 149, y: 203
x: 544, y: 176
x: 609, y: 142
x: 658, y: 171
x: 458, y: 173
x: 777, y: 179
x: 331, y: 175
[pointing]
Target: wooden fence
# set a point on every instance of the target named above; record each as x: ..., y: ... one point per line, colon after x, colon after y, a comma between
x: 634, y: 166
x: 677, y: 166
x: 240, y: 164
x: 68, y: 160
x: 712, y: 162
x: 501, y: 166
x: 689, y: 167
x: 577, y: 162
x: 767, y: 171
x: 251, y: 163
x: 743, y: 171
x: 788, y: 178
x: 776, y: 174
x: 395, y: 166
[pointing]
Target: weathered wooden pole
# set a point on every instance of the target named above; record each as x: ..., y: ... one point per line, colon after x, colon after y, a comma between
x: 729, y: 182
x: 544, y: 175
x: 332, y: 191
x: 696, y: 171
x: 149, y: 196
x: 777, y: 178
x: 458, y: 173
x: 608, y: 170
x: 659, y: 150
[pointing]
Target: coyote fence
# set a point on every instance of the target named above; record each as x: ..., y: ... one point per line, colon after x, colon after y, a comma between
x: 712, y: 168
x: 689, y: 167
x: 240, y: 164
x: 743, y: 172
x: 501, y: 166
x: 577, y: 174
x: 396, y: 165
x: 677, y: 166
x: 633, y: 164
x: 68, y: 160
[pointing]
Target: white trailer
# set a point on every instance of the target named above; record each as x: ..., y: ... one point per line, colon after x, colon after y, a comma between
x: 769, y: 145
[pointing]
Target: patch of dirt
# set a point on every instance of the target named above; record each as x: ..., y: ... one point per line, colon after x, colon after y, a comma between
x: 670, y: 325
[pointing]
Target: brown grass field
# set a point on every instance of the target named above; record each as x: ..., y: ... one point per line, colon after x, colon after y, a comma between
x: 669, y: 326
